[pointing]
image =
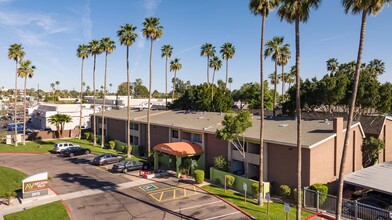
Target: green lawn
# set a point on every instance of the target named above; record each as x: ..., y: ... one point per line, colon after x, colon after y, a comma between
x: 10, y: 180
x: 47, y: 146
x: 51, y: 211
x: 276, y: 210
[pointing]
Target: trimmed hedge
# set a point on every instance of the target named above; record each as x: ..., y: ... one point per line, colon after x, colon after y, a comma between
x: 120, y: 146
x: 199, y: 176
x: 230, y: 181
x: 87, y: 135
x: 323, y: 191
x: 255, y: 188
x: 285, y: 191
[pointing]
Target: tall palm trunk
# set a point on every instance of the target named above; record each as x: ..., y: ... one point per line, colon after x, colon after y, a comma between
x: 95, y: 95
x: 298, y: 110
x: 80, y: 99
x: 174, y: 84
x: 261, y: 157
x: 15, y: 104
x: 350, y: 116
x: 283, y: 78
x: 24, y: 111
x: 166, y: 82
x: 212, y: 88
x: 128, y: 108
x: 103, y: 105
x: 227, y: 71
x: 149, y: 100
x: 208, y: 70
x: 275, y: 81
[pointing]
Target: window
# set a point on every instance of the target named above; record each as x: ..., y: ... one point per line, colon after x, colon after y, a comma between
x: 134, y: 140
x: 134, y: 126
x: 175, y: 134
x: 196, y: 138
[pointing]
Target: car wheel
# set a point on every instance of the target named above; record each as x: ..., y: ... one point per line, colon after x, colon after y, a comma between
x: 380, y: 218
x: 87, y: 152
x: 125, y: 170
x: 105, y: 163
x: 71, y: 154
x: 346, y: 210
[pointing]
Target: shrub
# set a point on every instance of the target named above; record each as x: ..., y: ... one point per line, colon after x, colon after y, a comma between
x: 285, y: 191
x: 220, y: 163
x: 112, y: 144
x: 295, y: 193
x: 87, y: 135
x: 255, y: 188
x: 8, y: 196
x: 230, y: 181
x: 99, y: 139
x: 217, y: 181
x: 120, y: 146
x: 199, y: 176
x: 323, y: 191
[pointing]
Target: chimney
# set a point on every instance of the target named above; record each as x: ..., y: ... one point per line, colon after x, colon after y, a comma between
x: 337, y: 125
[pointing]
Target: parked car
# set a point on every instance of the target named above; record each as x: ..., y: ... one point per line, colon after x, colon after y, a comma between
x: 58, y: 147
x: 105, y: 159
x: 18, y: 127
x: 74, y: 151
x: 368, y: 208
x: 127, y: 165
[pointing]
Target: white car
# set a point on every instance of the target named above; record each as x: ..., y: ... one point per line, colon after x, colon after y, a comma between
x: 58, y: 147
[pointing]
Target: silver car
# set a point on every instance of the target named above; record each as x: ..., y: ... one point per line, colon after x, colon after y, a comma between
x: 58, y: 147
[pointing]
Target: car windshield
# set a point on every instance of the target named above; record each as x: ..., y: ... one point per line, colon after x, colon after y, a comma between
x: 122, y: 163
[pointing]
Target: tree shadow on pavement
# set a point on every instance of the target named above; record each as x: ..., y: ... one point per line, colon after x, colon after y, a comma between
x: 87, y: 181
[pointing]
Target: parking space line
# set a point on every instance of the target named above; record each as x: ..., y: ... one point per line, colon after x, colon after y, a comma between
x: 196, y: 206
x: 233, y: 213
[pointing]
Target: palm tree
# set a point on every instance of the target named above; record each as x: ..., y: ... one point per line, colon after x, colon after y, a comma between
x: 262, y: 7
x: 273, y: 50
x: 290, y: 77
x: 110, y: 87
x: 230, y: 82
x: 81, y: 52
x: 364, y: 7
x: 285, y: 56
x: 25, y: 70
x: 15, y: 52
x: 107, y: 46
x: 128, y: 37
x: 166, y: 51
x: 175, y: 66
x: 297, y: 11
x: 95, y: 49
x: 227, y: 51
x: 52, y: 85
x: 208, y: 50
x: 272, y: 78
x: 152, y: 30
x: 59, y: 121
x: 57, y: 83
x: 216, y: 64
x: 332, y: 65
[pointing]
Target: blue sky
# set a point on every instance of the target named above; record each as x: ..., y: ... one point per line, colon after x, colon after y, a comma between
x: 50, y: 32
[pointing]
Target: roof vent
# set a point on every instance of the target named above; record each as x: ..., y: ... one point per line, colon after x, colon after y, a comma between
x: 283, y: 125
x: 326, y: 121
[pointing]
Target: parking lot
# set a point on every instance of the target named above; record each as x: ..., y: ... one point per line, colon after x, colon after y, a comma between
x: 165, y: 198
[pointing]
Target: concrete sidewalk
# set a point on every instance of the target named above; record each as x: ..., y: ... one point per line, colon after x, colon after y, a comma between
x: 52, y: 196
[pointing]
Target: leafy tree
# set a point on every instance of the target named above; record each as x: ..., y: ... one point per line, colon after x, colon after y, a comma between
x: 216, y: 64
x: 249, y: 93
x: 82, y: 52
x: 385, y: 92
x: 15, y: 52
x: 59, y: 121
x: 208, y: 50
x: 220, y: 163
x: 140, y: 91
x: 166, y: 51
x: 356, y: 7
x: 235, y: 126
x: 95, y: 49
x: 25, y: 70
x: 123, y: 87
x: 297, y: 11
x: 371, y: 149
x: 127, y: 37
x: 108, y: 46
x: 175, y: 66
x: 227, y: 51
x: 152, y: 30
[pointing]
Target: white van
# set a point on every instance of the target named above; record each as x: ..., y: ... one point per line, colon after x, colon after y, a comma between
x: 58, y: 147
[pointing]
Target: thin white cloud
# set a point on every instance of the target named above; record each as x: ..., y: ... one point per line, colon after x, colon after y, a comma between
x: 5, y: 1
x: 187, y: 50
x: 151, y: 6
x: 86, y: 21
x: 330, y: 38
